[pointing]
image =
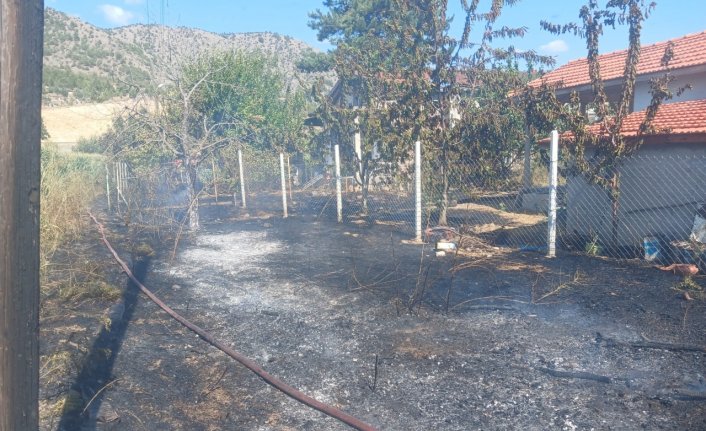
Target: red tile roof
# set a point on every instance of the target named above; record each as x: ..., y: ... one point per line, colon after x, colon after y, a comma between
x: 681, y: 118
x: 689, y: 50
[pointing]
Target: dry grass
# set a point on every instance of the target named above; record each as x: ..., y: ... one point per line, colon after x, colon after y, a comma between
x: 690, y: 289
x: 67, y: 124
x: 70, y: 183
x: 94, y: 289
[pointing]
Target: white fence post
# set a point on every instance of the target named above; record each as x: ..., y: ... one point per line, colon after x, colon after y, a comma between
x: 553, y: 179
x: 339, y: 196
x: 284, y: 185
x: 116, y: 169
x: 242, y: 177
x: 357, y: 145
x: 289, y: 179
x: 418, y: 190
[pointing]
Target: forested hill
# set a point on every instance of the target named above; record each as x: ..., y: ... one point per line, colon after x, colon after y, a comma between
x: 84, y: 63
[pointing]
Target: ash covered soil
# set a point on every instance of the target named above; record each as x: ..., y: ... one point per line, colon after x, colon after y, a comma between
x: 404, y: 340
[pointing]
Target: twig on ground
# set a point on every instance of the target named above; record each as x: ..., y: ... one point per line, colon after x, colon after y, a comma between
x: 584, y: 375
x: 418, y: 294
x: 212, y: 387
x: 453, y: 275
x: 611, y: 342
x: 686, y: 313
x: 142, y: 424
x: 490, y: 298
x: 181, y: 227
x: 688, y: 396
x: 324, y: 208
x: 375, y: 376
x: 575, y: 281
x: 106, y: 386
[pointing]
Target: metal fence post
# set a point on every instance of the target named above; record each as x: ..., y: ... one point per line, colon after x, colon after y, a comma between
x: 242, y: 177
x: 418, y: 190
x: 284, y: 185
x: 339, y: 196
x: 553, y: 179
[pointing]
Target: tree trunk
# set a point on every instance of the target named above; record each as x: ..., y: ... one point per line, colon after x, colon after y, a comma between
x: 21, y: 34
x: 363, y: 178
x: 443, y: 210
x: 213, y: 175
x: 615, y: 210
x: 193, y: 198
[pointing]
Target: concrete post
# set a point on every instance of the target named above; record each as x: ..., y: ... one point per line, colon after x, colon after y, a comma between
x: 553, y: 180
x: 284, y: 185
x: 289, y: 179
x: 358, y: 147
x: 418, y: 190
x: 242, y: 177
x: 339, y: 196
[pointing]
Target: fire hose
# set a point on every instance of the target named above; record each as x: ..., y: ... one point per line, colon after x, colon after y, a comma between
x: 246, y: 362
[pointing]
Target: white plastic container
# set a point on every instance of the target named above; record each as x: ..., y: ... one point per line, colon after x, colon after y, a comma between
x: 445, y: 245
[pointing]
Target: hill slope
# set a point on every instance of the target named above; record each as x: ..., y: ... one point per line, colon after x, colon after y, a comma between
x: 84, y: 63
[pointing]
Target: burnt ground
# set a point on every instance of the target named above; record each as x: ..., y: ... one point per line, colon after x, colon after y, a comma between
x: 359, y: 318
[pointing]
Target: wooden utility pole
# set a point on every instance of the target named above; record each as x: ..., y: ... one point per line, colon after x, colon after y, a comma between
x: 21, y: 36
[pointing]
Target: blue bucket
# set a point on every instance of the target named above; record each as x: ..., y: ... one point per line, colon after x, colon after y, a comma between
x: 651, y: 246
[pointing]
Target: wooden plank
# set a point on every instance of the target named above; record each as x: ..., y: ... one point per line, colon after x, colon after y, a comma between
x: 21, y: 36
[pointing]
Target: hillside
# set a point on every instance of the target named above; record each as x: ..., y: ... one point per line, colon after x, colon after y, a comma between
x: 84, y: 63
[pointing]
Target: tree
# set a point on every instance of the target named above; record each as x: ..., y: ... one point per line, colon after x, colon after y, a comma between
x: 492, y: 129
x: 312, y: 61
x: 218, y: 100
x: 358, y: 117
x: 414, y: 76
x: 596, y: 153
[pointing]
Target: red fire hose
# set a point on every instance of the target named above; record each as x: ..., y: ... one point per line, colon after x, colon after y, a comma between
x: 248, y: 363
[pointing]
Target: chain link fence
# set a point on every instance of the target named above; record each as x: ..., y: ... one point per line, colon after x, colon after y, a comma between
x: 155, y: 198
x: 657, y: 212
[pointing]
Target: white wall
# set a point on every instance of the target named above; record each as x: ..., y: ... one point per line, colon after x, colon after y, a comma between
x: 660, y: 189
x: 698, y: 91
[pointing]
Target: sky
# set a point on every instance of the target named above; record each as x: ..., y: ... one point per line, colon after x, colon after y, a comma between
x: 670, y: 19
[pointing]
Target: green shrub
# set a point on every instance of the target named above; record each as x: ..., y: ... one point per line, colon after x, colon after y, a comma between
x: 93, y: 145
x: 85, y: 86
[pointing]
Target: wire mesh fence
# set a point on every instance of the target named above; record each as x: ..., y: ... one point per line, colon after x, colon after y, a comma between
x: 486, y: 200
x: 656, y: 212
x: 652, y: 211
x: 154, y: 197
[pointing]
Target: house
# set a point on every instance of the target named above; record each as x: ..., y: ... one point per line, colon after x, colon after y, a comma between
x: 663, y: 185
